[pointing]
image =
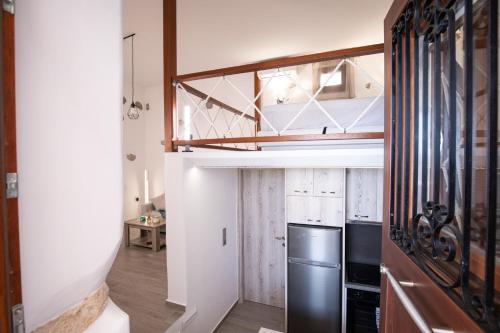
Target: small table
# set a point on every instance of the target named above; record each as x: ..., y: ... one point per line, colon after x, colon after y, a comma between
x: 153, y: 229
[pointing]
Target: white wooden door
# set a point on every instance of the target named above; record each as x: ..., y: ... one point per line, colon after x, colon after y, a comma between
x: 263, y: 204
x: 329, y: 182
x: 299, y: 182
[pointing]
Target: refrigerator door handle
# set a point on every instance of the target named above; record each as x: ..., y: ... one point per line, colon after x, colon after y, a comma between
x: 313, y: 263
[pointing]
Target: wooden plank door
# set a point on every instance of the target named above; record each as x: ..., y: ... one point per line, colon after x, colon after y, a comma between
x: 440, y: 177
x: 10, y: 271
x: 263, y: 201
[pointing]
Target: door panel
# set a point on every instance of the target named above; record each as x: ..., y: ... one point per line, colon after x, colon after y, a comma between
x: 264, y: 236
x: 314, y: 298
x: 440, y: 174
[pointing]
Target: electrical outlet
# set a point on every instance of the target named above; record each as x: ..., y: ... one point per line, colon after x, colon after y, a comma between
x: 224, y: 239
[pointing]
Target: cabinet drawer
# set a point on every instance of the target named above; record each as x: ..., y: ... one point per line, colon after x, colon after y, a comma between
x: 329, y: 182
x: 299, y: 181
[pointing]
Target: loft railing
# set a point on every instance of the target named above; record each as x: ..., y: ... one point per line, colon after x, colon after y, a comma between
x: 202, y: 119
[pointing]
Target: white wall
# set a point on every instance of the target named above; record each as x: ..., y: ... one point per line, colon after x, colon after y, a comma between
x: 153, y: 138
x: 68, y: 86
x: 133, y: 143
x: 219, y: 33
x: 202, y: 272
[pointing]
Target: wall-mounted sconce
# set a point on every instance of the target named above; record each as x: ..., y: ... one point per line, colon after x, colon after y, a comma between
x: 131, y: 157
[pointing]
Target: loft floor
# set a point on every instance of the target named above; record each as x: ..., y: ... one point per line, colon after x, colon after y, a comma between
x: 138, y: 285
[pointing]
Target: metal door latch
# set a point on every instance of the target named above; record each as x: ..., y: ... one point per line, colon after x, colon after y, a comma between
x: 18, y: 318
x: 8, y: 6
x: 11, y: 190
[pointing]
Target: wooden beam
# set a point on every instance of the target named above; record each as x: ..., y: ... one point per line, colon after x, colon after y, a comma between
x: 214, y: 101
x: 284, y: 138
x: 284, y: 62
x: 169, y: 70
x: 258, y: 102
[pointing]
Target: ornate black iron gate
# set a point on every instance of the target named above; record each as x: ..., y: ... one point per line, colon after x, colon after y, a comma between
x: 444, y: 201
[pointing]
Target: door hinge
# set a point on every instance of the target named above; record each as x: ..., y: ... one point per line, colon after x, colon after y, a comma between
x: 11, y: 185
x: 18, y: 318
x: 8, y: 6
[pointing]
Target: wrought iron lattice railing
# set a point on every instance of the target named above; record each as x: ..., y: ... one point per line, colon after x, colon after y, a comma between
x: 443, y: 163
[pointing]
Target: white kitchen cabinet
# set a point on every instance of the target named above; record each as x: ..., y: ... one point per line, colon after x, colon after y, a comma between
x: 297, y: 207
x: 326, y: 211
x: 299, y: 182
x: 328, y: 182
x: 364, y: 197
x: 314, y: 210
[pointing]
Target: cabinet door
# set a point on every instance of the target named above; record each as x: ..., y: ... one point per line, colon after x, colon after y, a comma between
x: 297, y: 207
x: 299, y: 181
x: 364, y: 194
x: 329, y: 182
x: 325, y: 211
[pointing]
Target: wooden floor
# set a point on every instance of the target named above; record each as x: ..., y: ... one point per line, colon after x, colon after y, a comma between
x: 138, y: 285
x: 249, y: 317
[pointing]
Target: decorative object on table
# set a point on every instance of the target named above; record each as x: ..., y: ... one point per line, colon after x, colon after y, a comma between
x: 135, y: 106
x: 142, y: 219
x: 152, y: 239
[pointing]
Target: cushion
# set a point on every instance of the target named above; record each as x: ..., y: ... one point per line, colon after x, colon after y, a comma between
x: 159, y: 202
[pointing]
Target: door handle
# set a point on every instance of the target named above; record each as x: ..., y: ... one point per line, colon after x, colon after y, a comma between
x: 280, y: 238
x: 407, y: 303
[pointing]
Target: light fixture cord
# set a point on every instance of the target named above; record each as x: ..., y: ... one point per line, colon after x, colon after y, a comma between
x: 133, y: 84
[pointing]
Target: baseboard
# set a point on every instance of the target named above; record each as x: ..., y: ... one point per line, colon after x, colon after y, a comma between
x: 180, y: 306
x: 225, y: 315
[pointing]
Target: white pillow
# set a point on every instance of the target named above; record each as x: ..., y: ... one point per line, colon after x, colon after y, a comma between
x: 159, y: 202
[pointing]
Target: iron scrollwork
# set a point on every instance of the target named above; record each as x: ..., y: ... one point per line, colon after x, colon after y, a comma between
x: 423, y: 221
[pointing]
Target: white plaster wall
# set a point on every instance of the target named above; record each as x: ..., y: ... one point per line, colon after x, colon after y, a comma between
x: 133, y: 143
x: 153, y: 137
x: 212, y: 269
x: 203, y: 274
x: 69, y: 89
x: 175, y: 229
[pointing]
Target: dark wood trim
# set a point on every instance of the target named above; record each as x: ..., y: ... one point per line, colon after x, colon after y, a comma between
x: 258, y: 102
x: 10, y: 270
x: 214, y: 101
x: 283, y: 138
x: 284, y: 62
x: 221, y: 148
x: 257, y: 86
x: 169, y: 70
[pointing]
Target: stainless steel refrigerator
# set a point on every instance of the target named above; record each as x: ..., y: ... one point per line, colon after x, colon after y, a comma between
x: 314, y: 279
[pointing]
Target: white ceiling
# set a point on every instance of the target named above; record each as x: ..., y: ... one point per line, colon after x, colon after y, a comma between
x: 145, y: 19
